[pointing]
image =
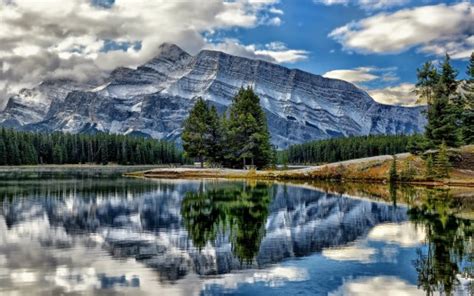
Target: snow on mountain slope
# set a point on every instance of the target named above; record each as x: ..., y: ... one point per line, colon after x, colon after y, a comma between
x: 155, y: 98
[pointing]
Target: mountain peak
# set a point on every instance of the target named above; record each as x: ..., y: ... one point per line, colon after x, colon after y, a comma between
x: 170, y: 50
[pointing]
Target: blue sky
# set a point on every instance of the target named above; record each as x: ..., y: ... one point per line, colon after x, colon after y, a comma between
x: 306, y: 25
x: 376, y: 44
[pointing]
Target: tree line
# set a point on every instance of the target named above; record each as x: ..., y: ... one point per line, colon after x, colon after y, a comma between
x: 21, y: 148
x: 339, y: 149
x: 236, y: 139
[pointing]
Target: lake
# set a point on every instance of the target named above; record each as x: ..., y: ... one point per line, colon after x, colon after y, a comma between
x: 93, y: 232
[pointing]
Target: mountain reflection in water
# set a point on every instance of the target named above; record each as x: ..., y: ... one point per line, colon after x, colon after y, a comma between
x: 94, y: 234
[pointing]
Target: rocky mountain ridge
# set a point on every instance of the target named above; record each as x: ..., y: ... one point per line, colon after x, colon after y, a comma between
x: 155, y: 98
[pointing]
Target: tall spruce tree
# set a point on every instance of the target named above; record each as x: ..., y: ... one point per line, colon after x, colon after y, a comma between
x: 467, y: 129
x: 447, y: 78
x: 247, y: 131
x: 442, y: 164
x: 427, y: 79
x: 214, y: 136
x: 441, y: 113
x: 195, y: 131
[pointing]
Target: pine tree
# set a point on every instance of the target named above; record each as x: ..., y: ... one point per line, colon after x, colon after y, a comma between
x: 467, y: 129
x: 442, y: 164
x: 194, y: 133
x: 427, y: 80
x: 57, y: 154
x: 442, y: 113
x: 214, y: 136
x: 447, y: 79
x: 429, y: 171
x: 3, y: 153
x: 247, y: 133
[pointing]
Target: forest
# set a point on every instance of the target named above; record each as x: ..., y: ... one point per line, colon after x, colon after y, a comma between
x: 339, y: 149
x: 27, y: 148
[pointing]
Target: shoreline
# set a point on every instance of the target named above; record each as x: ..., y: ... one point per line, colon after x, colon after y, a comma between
x: 277, y: 176
x: 364, y: 170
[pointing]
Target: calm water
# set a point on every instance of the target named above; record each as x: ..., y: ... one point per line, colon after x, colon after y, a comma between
x: 92, y: 233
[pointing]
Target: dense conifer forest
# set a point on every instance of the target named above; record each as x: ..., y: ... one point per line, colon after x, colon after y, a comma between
x: 339, y: 149
x: 21, y: 148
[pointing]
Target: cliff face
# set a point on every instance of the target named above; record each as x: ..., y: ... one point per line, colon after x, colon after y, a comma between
x: 154, y: 99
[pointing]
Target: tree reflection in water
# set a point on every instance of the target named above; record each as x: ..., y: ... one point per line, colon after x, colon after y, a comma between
x: 449, y: 250
x: 239, y: 211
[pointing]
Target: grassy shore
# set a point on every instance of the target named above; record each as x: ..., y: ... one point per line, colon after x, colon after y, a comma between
x: 371, y: 169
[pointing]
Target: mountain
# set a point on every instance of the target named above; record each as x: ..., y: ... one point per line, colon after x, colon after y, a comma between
x: 155, y: 98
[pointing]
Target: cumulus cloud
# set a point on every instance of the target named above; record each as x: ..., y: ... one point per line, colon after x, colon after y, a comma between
x: 402, y: 94
x: 275, y: 52
x: 56, y: 38
x: 434, y: 29
x: 366, y: 4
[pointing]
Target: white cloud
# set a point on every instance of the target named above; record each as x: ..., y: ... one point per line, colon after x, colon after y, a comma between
x: 56, y: 38
x: 366, y: 4
x: 275, y: 52
x: 363, y: 74
x: 362, y: 253
x: 402, y: 94
x: 434, y: 29
x: 272, y: 277
x: 404, y: 234
x: 372, y: 286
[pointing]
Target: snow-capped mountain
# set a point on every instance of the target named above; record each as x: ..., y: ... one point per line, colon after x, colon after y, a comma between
x: 155, y: 98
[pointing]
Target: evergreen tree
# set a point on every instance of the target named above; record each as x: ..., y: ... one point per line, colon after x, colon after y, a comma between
x: 467, y: 129
x: 442, y: 113
x: 447, y: 83
x: 339, y: 149
x: 195, y: 130
x: 247, y: 134
x: 429, y: 171
x: 57, y: 154
x: 17, y: 148
x: 441, y: 124
x: 427, y: 79
x: 3, y: 153
x: 442, y: 164
x: 214, y: 136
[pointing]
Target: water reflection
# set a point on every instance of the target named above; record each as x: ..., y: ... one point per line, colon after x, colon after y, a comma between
x: 89, y: 234
x: 240, y: 210
x: 447, y: 258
